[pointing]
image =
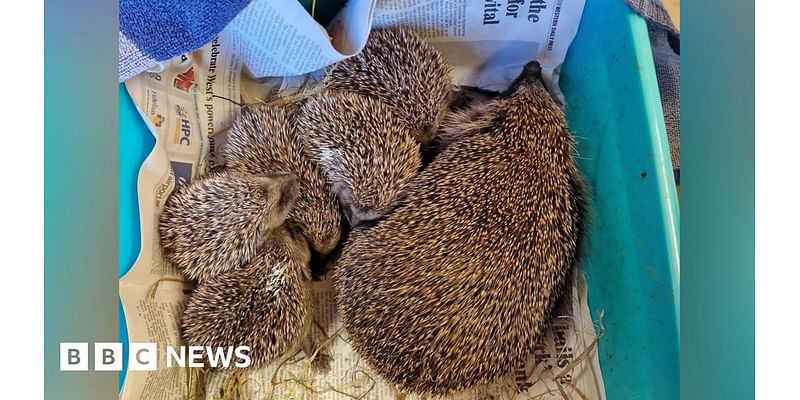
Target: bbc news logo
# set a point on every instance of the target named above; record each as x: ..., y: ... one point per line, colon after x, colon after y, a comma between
x: 144, y: 356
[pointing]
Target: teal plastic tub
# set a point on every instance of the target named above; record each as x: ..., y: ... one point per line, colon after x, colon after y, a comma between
x: 632, y: 249
x: 632, y: 261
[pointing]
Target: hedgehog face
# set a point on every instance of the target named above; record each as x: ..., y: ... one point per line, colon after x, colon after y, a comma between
x: 374, y: 195
x: 367, y: 152
x: 220, y: 221
x: 361, y: 208
x: 263, y: 139
x: 282, y: 191
x: 321, y: 225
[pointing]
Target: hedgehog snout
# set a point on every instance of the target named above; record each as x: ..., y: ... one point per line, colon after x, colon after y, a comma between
x: 354, y: 213
x: 325, y: 247
x: 532, y: 70
x: 531, y: 75
x: 349, y: 214
x: 357, y: 215
x: 428, y: 131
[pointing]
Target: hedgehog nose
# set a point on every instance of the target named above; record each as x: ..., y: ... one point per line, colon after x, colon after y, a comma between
x: 360, y: 215
x: 532, y: 70
x: 531, y: 75
x: 427, y: 129
x: 429, y: 132
x: 352, y: 216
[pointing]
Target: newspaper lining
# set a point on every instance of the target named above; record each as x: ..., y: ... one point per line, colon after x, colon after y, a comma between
x: 184, y: 106
x: 489, y: 42
x: 188, y: 106
x: 279, y: 38
x: 486, y: 42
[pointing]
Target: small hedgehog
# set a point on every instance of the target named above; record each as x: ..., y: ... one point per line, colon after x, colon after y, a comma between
x: 266, y: 305
x: 454, y: 287
x: 263, y: 139
x: 367, y: 153
x: 218, y: 222
x: 402, y: 70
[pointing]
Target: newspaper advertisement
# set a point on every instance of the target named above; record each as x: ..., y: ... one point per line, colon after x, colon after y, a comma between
x: 188, y: 104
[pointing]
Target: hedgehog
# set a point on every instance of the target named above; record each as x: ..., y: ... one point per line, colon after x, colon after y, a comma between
x: 218, y: 222
x: 368, y: 155
x: 457, y: 124
x: 263, y: 139
x: 405, y: 72
x: 265, y: 305
x: 453, y: 288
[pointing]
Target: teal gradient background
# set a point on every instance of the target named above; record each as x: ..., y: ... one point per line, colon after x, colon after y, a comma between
x: 717, y: 195
x: 717, y: 204
x: 81, y: 200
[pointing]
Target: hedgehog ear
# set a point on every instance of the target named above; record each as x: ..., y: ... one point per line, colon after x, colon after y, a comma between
x: 343, y: 193
x: 352, y: 211
x: 345, y: 196
x: 282, y: 190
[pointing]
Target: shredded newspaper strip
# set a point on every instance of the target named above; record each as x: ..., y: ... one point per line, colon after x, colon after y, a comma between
x: 188, y: 106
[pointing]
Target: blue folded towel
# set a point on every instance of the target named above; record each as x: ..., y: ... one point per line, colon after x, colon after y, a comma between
x: 151, y: 31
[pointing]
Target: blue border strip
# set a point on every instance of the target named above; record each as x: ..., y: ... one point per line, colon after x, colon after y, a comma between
x: 135, y: 144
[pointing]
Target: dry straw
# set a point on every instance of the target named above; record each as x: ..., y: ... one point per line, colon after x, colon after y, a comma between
x: 559, y: 379
x: 151, y: 291
x: 310, y: 87
x: 302, y: 385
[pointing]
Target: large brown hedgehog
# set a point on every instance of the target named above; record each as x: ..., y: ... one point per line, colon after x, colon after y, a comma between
x: 265, y: 305
x: 367, y: 153
x: 453, y: 288
x: 404, y: 71
x: 218, y: 222
x: 263, y: 139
